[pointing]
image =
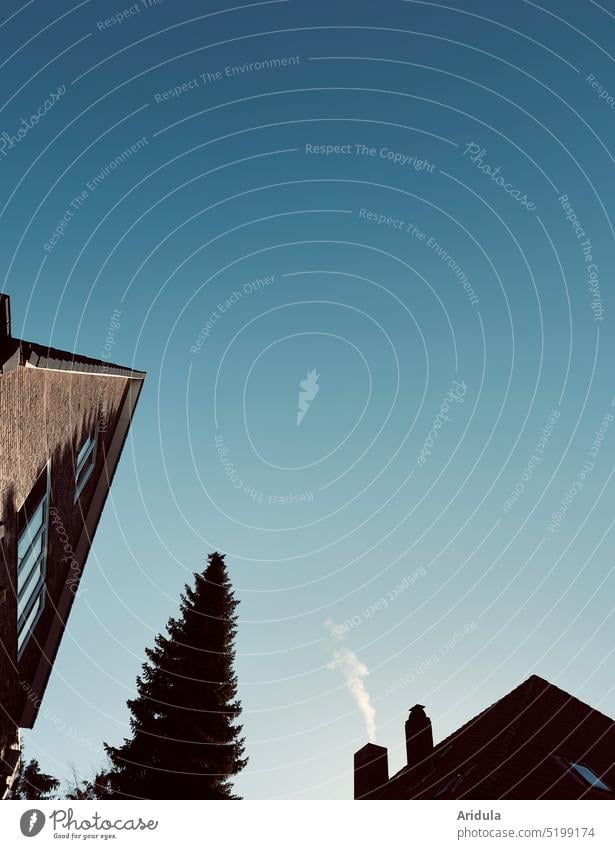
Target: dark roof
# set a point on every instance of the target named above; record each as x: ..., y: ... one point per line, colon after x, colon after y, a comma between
x: 18, y: 352
x: 41, y: 356
x: 521, y: 747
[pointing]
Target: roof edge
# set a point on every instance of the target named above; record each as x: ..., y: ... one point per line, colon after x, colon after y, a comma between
x: 54, y: 359
x: 19, y: 352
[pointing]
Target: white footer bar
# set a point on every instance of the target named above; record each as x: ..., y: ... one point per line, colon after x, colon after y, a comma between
x: 373, y: 825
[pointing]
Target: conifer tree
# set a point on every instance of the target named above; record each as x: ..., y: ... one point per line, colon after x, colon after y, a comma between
x: 31, y: 783
x: 185, y: 741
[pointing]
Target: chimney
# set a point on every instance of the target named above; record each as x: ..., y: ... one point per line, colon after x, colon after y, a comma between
x: 371, y: 769
x: 419, y: 739
x: 5, y: 318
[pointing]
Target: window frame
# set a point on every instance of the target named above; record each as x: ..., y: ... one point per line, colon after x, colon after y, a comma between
x: 40, y: 495
x: 87, y: 464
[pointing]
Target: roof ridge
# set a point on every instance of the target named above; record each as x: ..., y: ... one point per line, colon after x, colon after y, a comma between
x: 495, y: 733
x: 479, y: 715
x: 446, y: 741
x: 573, y: 698
x: 523, y: 695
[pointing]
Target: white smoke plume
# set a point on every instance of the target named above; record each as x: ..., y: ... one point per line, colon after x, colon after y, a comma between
x: 354, y: 672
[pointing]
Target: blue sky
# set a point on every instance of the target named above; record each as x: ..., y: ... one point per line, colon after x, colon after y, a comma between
x: 312, y: 188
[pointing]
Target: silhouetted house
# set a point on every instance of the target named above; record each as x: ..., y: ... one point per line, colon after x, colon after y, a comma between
x: 63, y: 422
x: 537, y: 742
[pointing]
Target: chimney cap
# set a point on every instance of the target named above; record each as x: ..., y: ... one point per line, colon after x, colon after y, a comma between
x: 371, y: 749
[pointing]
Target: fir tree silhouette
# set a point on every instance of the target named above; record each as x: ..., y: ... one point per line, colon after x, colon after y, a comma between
x: 31, y: 783
x: 185, y: 742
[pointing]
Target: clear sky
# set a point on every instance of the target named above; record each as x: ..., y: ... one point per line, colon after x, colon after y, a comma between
x: 414, y: 201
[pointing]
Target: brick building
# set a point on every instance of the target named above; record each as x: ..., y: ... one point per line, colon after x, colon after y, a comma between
x: 537, y: 742
x: 63, y: 422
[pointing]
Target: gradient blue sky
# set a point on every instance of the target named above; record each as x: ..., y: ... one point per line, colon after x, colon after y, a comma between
x: 222, y: 193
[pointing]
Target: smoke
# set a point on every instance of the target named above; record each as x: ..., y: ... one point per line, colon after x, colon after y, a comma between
x: 354, y: 672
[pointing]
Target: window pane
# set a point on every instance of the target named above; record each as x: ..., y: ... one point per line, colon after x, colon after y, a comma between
x: 85, y: 450
x: 85, y: 464
x: 29, y: 588
x: 31, y: 557
x: 590, y: 777
x: 25, y: 566
x: 28, y: 624
x: 84, y: 474
x: 30, y: 531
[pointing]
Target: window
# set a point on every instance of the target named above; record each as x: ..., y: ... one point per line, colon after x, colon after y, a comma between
x: 32, y: 531
x: 85, y: 462
x: 451, y: 785
x: 590, y: 777
x: 455, y: 782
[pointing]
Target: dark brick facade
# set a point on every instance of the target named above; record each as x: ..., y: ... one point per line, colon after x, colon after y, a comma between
x: 46, y: 414
x: 49, y: 415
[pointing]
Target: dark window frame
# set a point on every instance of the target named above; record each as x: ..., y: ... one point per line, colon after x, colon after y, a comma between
x: 85, y: 467
x: 40, y: 494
